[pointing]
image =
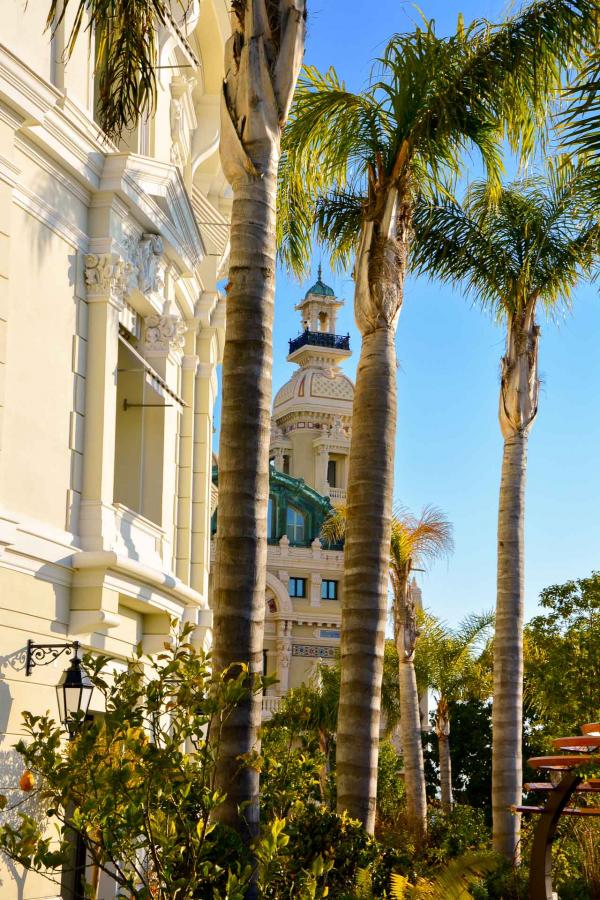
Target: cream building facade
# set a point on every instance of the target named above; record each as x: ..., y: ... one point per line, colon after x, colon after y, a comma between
x: 310, y: 442
x: 111, y: 329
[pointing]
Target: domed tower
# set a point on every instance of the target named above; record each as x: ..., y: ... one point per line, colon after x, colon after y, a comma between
x: 312, y: 412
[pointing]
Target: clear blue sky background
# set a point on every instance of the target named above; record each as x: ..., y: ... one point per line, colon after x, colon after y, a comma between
x: 449, y: 445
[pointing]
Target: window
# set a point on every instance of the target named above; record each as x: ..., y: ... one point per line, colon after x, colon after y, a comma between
x: 297, y: 587
x: 286, y: 465
x: 271, y: 520
x: 329, y: 590
x: 295, y: 525
x: 331, y: 473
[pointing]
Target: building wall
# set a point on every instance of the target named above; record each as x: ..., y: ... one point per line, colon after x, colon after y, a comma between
x: 104, y: 511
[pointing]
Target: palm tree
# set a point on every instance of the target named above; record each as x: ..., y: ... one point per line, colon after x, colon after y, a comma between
x: 262, y: 60
x: 353, y: 167
x: 453, y: 665
x: 263, y: 57
x: 414, y: 541
x: 528, y: 248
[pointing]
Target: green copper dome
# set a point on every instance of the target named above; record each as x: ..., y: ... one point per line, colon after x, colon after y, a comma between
x: 320, y: 288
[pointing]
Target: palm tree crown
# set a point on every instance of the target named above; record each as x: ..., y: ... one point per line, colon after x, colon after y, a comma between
x: 532, y: 243
x: 429, y: 98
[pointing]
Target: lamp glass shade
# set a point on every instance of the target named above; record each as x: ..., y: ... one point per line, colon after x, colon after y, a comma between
x: 73, y: 693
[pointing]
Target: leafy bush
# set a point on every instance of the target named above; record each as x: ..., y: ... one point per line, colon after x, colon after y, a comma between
x: 143, y: 806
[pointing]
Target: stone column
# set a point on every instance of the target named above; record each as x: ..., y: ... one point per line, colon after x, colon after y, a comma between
x: 279, y: 454
x: 284, y: 655
x: 106, y: 277
x: 321, y: 462
x: 164, y: 343
x: 205, y: 392
x: 189, y: 367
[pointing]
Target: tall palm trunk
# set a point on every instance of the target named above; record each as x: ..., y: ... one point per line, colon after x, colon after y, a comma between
x: 410, y: 710
x: 379, y: 274
x: 442, y: 730
x: 518, y: 407
x: 262, y: 61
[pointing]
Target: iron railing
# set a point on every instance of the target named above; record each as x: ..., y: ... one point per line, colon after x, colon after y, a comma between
x: 320, y: 339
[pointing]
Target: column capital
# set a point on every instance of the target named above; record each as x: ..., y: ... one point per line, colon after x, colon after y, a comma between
x: 107, y: 277
x: 164, y: 334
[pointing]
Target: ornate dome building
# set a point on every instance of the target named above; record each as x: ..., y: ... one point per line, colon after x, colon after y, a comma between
x: 312, y: 412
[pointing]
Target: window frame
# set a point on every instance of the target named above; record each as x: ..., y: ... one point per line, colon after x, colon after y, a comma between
x: 291, y: 529
x: 297, y: 581
x: 326, y: 584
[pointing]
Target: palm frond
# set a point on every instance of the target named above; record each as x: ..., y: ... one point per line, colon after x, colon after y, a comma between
x: 581, y: 119
x: 333, y: 529
x: 537, y: 238
x: 126, y: 53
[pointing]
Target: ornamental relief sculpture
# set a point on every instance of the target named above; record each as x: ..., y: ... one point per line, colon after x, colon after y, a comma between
x: 165, y: 333
x: 145, y: 258
x: 107, y: 275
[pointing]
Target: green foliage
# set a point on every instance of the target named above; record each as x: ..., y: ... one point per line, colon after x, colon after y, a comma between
x: 450, y: 883
x: 460, y: 832
x: 142, y: 804
x: 562, y: 659
x: 581, y: 119
x: 546, y: 228
x: 429, y: 100
x: 391, y: 793
x: 124, y: 36
x: 290, y: 770
x: 471, y: 752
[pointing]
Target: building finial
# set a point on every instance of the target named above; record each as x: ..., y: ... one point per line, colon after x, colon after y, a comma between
x: 319, y: 272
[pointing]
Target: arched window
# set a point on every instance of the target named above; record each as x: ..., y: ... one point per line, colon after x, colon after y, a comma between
x: 295, y: 525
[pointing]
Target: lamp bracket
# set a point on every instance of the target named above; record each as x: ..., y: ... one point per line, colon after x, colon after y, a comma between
x: 44, y: 654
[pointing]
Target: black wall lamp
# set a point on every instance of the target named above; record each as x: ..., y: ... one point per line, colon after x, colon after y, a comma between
x: 74, y: 689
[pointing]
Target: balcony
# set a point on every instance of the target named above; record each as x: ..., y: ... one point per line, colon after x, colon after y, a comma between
x: 270, y: 705
x: 320, y: 339
x: 337, y: 495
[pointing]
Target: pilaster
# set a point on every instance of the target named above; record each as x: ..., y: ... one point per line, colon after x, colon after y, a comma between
x: 106, y: 278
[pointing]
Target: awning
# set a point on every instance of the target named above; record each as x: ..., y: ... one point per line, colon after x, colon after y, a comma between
x: 151, y: 376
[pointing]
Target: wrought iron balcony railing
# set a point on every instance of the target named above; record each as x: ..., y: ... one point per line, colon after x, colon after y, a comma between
x: 320, y: 339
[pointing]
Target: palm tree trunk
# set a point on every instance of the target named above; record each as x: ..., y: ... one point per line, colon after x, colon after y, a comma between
x: 366, y: 562
x: 445, y: 772
x: 507, y: 711
x: 379, y: 281
x: 262, y: 61
x: 241, y: 552
x: 410, y: 710
x: 519, y: 394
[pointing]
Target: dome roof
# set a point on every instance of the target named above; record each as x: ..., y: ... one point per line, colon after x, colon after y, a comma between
x: 313, y: 388
x: 321, y: 289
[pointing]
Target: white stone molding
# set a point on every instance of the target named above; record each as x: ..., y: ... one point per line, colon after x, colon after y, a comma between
x: 107, y: 277
x: 278, y: 586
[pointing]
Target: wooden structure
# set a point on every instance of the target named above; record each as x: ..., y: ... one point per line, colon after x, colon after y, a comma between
x: 566, y: 780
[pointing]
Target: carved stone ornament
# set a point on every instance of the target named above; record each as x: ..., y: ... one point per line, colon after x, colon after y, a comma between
x: 145, y: 259
x: 284, y: 652
x: 107, y: 275
x: 165, y: 333
x: 148, y: 256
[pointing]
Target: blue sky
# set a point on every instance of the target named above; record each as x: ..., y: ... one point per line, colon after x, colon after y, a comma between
x: 449, y: 445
